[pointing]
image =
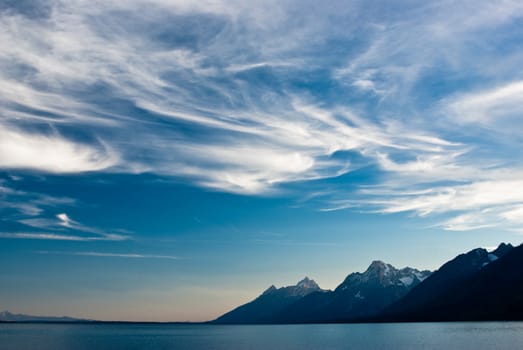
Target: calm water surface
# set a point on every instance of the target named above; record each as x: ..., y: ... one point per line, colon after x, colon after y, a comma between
x: 477, y: 336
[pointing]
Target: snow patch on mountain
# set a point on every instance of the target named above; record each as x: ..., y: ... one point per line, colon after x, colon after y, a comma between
x: 420, y: 276
x: 492, y: 257
x: 407, y: 280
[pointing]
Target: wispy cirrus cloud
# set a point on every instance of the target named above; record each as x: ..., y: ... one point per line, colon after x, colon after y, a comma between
x: 61, y: 237
x: 42, y: 236
x: 29, y: 204
x: 113, y: 255
x: 233, y: 97
x: 492, y: 200
x: 197, y: 83
x: 63, y: 222
x: 36, y: 213
x: 500, y: 106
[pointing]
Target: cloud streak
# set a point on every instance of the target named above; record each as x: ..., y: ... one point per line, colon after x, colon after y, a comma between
x: 115, y: 255
x: 489, y: 107
x: 60, y: 237
x: 63, y: 222
x: 35, y: 212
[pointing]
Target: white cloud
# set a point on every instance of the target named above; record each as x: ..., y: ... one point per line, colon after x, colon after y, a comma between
x: 273, y: 136
x: 470, y: 221
x: 50, y: 153
x: 514, y: 214
x: 366, y: 85
x: 490, y: 106
x: 245, y: 67
x: 250, y: 135
x: 59, y: 237
x: 113, y: 255
x: 476, y: 205
x: 29, y: 203
x: 440, y: 165
x: 65, y: 220
x: 36, y: 211
x: 127, y: 256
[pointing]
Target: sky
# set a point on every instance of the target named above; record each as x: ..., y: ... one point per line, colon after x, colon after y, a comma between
x: 168, y: 160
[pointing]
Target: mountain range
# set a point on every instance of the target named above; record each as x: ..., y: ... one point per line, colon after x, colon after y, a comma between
x: 359, y: 295
x: 478, y: 285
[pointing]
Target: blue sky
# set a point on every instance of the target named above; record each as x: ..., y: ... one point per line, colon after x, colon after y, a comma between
x: 168, y: 160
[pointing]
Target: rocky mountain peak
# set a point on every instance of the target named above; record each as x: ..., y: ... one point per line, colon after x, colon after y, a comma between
x: 382, y: 274
x: 308, y: 284
x: 302, y: 288
x: 269, y: 290
x: 381, y: 268
x: 502, y: 249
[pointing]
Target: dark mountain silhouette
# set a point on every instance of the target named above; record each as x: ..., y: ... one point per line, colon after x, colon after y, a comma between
x: 478, y: 285
x: 270, y: 303
x: 360, y: 295
x: 446, y: 277
x: 472, y: 287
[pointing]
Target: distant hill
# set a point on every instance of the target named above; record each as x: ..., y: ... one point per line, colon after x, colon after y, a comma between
x: 6, y: 316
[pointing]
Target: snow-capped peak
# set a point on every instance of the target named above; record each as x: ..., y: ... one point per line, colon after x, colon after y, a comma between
x: 307, y: 283
x: 302, y: 288
x: 382, y: 274
x: 378, y: 267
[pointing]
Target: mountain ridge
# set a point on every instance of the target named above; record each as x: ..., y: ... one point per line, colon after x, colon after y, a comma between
x: 270, y: 302
x: 383, y: 293
x: 494, y: 291
x: 360, y: 294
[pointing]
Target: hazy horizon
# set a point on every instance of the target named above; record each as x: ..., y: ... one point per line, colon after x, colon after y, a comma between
x: 166, y: 160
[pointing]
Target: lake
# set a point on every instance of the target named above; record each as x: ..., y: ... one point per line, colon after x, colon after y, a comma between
x: 459, y: 335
